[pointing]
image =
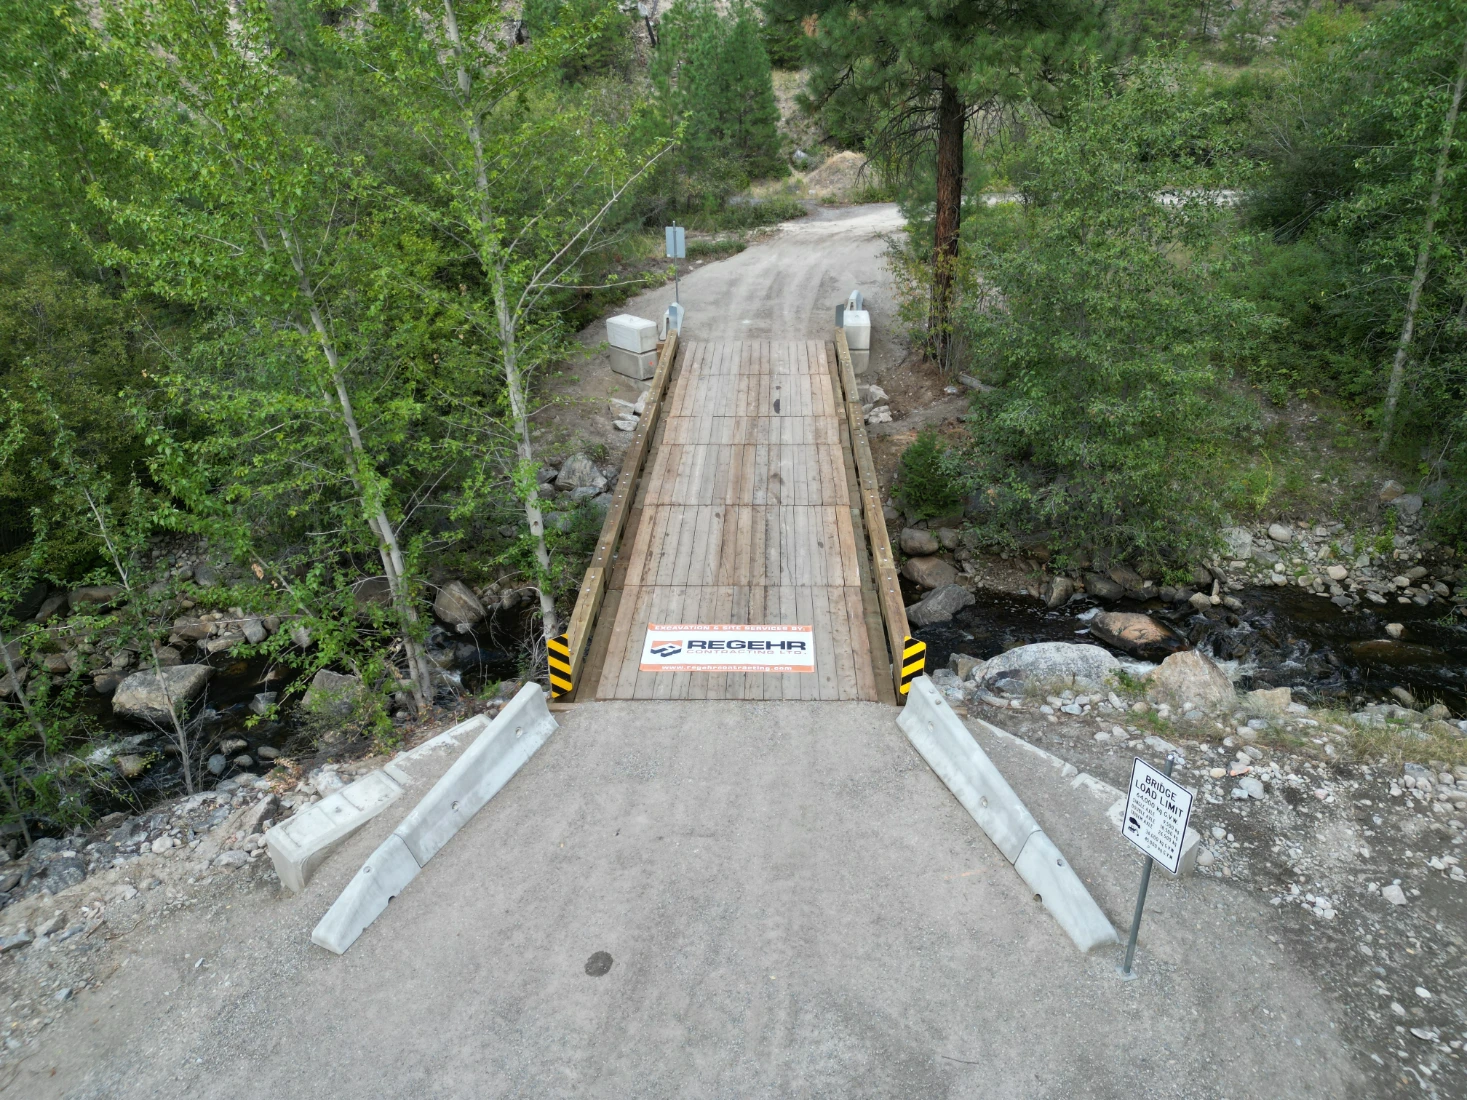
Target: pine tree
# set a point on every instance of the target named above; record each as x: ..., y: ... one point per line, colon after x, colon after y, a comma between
x: 925, y: 68
x: 714, y: 78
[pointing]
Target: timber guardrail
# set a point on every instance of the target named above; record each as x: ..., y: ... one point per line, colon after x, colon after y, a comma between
x: 888, y: 586
x: 568, y: 652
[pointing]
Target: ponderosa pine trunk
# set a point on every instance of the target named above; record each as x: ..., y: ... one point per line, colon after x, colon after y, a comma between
x: 950, y: 117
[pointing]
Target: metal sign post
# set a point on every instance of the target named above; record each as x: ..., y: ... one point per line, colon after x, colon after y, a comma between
x: 677, y: 249
x: 1157, y: 812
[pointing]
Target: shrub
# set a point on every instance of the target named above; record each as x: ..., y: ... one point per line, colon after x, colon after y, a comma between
x: 927, y: 483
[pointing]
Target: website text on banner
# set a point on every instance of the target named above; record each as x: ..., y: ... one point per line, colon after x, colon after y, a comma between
x: 700, y: 647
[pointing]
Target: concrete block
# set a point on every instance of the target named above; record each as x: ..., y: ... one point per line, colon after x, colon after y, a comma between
x: 639, y: 365
x: 477, y: 776
x: 384, y: 876
x: 939, y: 735
x: 857, y: 323
x: 302, y: 842
x: 627, y: 332
x: 1060, y: 890
x: 473, y: 779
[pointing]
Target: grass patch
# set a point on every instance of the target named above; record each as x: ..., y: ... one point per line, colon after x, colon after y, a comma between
x: 716, y: 249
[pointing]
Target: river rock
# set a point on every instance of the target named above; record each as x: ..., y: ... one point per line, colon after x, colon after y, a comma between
x: 929, y: 572
x: 332, y: 693
x: 144, y: 696
x: 53, y: 605
x: 167, y: 656
x: 1408, y: 504
x: 456, y: 603
x: 1103, y: 588
x: 1200, y: 601
x: 1237, y: 543
x: 1139, y: 635
x: 939, y: 605
x: 8, y: 684
x: 131, y: 765
x: 1077, y: 665
x: 1057, y: 590
x: 578, y: 471
x: 372, y: 590
x: 205, y: 575
x: 1390, y: 491
x: 217, y: 763
x: 1128, y: 579
x: 262, y: 702
x: 1280, y: 533
x: 254, y: 631
x: 1273, y: 702
x: 94, y: 595
x: 915, y: 542
x: 190, y: 628
x: 1191, y: 677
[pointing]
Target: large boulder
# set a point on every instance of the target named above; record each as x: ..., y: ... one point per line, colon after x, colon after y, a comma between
x: 332, y: 694
x: 1139, y: 635
x: 577, y: 472
x: 1057, y: 591
x: 1103, y: 588
x: 917, y: 542
x: 939, y: 605
x: 929, y: 572
x: 456, y: 603
x: 94, y: 595
x: 153, y: 697
x: 372, y: 590
x: 1083, y: 666
x: 1191, y: 677
x: 1237, y: 543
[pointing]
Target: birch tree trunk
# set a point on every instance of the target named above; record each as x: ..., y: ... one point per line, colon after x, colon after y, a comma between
x: 492, y: 263
x: 1423, y: 261
x: 388, y: 548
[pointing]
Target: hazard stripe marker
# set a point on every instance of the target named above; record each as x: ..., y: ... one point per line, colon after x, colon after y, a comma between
x: 914, y: 661
x: 559, y: 655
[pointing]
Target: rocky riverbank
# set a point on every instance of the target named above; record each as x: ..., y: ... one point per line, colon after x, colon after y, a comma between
x: 1350, y: 826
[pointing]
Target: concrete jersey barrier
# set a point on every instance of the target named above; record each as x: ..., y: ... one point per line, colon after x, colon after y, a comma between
x: 475, y: 777
x: 936, y: 732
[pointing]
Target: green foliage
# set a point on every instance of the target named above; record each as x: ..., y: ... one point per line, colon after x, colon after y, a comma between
x: 713, y: 82
x: 68, y: 349
x: 605, y: 48
x: 926, y: 484
x: 1106, y: 328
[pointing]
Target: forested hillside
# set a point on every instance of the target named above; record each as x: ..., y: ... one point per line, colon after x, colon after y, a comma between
x: 284, y: 286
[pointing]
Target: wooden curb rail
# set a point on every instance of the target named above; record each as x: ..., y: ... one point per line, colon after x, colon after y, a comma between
x: 570, y: 653
x: 888, y: 587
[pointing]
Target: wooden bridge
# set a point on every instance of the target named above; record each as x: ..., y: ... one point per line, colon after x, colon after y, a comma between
x: 747, y: 496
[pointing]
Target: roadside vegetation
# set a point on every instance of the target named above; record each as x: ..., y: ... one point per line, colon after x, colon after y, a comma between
x: 1209, y: 219
x: 283, y: 284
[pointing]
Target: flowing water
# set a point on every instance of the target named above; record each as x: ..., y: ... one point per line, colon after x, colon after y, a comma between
x: 1283, y: 637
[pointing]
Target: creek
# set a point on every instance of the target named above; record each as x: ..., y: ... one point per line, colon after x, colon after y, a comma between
x: 1283, y: 637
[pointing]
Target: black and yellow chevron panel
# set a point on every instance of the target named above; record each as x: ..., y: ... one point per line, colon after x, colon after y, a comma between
x: 559, y: 654
x: 914, y: 661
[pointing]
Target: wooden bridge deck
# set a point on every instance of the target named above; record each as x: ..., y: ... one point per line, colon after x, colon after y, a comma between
x: 748, y: 512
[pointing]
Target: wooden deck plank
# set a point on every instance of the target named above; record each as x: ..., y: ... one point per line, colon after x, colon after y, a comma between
x: 746, y: 515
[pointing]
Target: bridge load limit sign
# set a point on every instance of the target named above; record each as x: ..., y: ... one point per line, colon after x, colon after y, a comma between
x: 699, y: 647
x: 1157, y: 811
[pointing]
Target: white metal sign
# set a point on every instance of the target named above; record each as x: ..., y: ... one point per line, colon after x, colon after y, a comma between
x: 700, y: 647
x: 1157, y: 811
x: 677, y: 242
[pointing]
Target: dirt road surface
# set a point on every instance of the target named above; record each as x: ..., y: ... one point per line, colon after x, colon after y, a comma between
x: 793, y: 905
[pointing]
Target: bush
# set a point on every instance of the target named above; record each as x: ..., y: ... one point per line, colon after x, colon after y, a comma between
x: 927, y: 483
x: 1103, y: 321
